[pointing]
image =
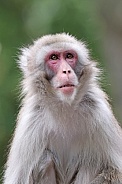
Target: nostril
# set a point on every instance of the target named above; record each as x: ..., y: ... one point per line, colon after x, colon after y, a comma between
x: 64, y: 71
x: 69, y: 71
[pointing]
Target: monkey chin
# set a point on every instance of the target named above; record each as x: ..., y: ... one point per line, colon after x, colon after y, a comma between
x: 67, y: 94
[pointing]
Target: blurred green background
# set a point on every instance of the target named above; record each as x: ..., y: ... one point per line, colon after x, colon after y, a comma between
x: 99, y: 23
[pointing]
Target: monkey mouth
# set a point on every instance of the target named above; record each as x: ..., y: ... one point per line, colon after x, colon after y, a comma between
x: 67, y: 89
x: 66, y: 85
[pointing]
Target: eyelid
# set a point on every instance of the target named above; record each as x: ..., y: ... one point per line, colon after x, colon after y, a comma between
x: 70, y: 55
x: 54, y: 54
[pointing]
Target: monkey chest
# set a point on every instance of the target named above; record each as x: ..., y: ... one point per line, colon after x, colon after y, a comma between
x: 65, y: 148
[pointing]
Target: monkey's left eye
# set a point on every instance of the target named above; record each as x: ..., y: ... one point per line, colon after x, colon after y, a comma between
x: 69, y: 56
x: 54, y: 57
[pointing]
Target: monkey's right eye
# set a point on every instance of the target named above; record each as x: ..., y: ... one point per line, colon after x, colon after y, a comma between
x: 54, y: 57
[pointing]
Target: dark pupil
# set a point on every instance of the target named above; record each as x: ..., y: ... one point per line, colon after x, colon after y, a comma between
x: 69, y: 55
x: 54, y: 57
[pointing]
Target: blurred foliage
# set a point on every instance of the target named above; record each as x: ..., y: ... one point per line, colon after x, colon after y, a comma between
x: 23, y: 21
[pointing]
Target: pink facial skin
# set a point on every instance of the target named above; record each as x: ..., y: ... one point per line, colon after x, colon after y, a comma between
x: 54, y: 59
x: 63, y: 64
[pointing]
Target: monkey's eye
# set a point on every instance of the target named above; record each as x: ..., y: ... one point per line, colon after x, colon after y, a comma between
x: 54, y: 57
x: 69, y: 56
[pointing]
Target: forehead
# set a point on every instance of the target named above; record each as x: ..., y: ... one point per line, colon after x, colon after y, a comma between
x: 60, y: 47
x: 41, y: 51
x: 56, y: 47
x: 79, y: 48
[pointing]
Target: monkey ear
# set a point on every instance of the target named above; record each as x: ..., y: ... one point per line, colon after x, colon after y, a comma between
x: 25, y: 61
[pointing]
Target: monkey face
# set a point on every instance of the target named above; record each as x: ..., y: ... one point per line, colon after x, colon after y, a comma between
x: 62, y: 58
x: 62, y: 65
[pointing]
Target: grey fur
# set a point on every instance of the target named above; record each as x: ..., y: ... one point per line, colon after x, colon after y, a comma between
x: 57, y: 141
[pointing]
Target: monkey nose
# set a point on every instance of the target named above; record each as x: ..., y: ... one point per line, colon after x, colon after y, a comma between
x: 66, y: 71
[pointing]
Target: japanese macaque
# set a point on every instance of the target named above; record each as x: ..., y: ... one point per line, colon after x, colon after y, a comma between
x: 66, y: 132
